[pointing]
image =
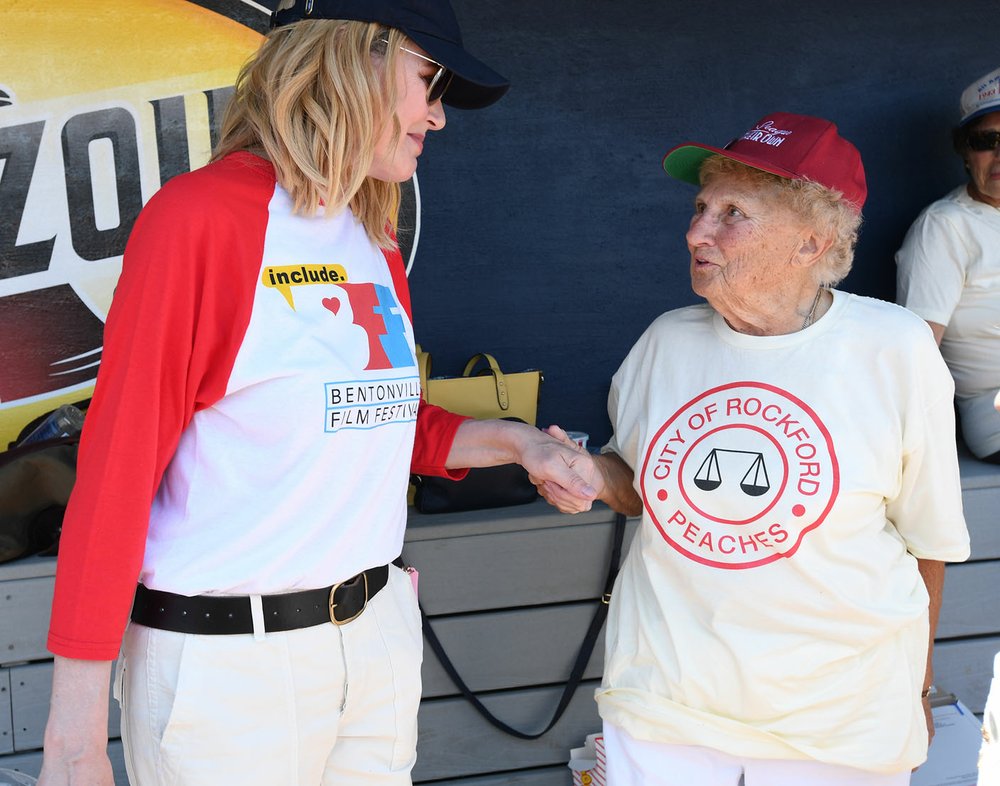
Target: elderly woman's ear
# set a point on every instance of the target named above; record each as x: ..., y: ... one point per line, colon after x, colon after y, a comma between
x: 811, y: 250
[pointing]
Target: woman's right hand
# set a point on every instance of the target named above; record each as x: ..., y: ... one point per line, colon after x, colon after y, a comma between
x: 559, y: 497
x: 76, y: 734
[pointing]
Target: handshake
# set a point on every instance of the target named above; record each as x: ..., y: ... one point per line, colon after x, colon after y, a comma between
x: 575, y: 478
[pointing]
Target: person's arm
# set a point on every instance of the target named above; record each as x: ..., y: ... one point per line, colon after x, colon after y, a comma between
x: 619, y: 494
x: 932, y: 266
x: 932, y: 572
x: 938, y: 330
x: 76, y: 735
x: 488, y: 443
x: 180, y: 308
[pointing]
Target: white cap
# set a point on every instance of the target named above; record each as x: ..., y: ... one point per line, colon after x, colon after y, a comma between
x: 981, y: 97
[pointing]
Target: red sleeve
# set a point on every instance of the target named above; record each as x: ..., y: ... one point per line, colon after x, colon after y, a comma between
x: 179, y: 313
x: 436, y: 427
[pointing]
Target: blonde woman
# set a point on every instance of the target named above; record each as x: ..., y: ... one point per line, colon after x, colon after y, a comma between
x: 243, y: 471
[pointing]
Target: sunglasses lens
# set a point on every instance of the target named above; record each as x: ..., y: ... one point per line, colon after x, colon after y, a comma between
x: 439, y: 85
x: 984, y: 140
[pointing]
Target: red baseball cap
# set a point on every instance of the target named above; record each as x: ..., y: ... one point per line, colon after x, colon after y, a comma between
x: 798, y: 147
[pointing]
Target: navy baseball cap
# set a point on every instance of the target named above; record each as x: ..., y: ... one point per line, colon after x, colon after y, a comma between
x: 431, y: 24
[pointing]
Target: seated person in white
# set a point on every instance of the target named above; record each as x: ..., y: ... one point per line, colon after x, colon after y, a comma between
x: 948, y: 269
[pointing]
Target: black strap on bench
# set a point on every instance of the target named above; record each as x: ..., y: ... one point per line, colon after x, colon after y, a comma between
x: 586, y: 648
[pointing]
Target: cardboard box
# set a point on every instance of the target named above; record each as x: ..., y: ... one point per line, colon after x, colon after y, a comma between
x: 587, y: 762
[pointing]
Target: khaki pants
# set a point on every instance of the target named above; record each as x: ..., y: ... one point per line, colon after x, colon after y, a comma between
x: 312, y: 707
x: 989, y: 752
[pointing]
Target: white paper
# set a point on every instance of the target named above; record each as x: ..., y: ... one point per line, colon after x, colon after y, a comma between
x: 954, y: 752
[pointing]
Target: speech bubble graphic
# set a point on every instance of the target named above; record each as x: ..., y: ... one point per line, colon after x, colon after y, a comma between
x: 284, y: 277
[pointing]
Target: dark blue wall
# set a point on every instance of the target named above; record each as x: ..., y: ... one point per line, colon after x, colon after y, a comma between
x: 551, y: 237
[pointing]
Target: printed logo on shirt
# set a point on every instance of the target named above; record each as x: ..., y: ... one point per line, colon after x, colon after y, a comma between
x: 739, y: 475
x: 284, y: 277
x: 366, y: 404
x: 376, y: 311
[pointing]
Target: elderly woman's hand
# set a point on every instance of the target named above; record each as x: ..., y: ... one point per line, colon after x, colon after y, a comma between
x: 928, y: 719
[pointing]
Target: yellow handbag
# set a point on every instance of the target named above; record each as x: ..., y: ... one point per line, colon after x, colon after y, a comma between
x: 489, y: 393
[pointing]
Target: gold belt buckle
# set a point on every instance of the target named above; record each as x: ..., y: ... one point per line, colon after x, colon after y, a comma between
x: 333, y: 603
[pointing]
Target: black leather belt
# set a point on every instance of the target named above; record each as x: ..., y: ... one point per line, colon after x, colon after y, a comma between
x: 221, y: 615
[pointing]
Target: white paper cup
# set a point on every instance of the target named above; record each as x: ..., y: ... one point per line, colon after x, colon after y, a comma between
x: 579, y: 437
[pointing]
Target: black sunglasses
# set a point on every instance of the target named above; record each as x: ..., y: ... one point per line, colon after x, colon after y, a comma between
x: 981, y: 141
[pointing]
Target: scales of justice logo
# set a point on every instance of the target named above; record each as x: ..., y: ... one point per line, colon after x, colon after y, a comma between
x: 739, y: 476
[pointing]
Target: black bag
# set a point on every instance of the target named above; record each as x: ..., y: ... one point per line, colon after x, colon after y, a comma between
x: 35, y: 484
x: 483, y: 487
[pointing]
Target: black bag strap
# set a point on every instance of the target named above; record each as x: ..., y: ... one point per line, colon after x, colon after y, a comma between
x: 16, y: 452
x: 586, y: 648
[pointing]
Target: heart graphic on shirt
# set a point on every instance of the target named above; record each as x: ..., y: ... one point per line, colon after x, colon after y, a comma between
x: 332, y: 304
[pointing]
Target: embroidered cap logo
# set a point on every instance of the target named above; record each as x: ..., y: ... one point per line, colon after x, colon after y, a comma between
x: 767, y: 134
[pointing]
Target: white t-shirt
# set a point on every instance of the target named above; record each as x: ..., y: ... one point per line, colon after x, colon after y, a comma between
x: 770, y: 605
x: 256, y: 413
x: 948, y: 271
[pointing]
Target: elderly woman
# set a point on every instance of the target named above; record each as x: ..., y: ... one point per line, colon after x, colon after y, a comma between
x: 791, y: 451
x: 948, y: 269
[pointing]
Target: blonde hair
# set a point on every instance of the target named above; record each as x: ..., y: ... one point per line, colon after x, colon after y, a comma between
x: 819, y: 208
x: 314, y: 99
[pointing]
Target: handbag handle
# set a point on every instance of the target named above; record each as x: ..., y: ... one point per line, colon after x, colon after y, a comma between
x: 423, y: 368
x: 501, y: 383
x: 582, y: 658
x: 503, y: 398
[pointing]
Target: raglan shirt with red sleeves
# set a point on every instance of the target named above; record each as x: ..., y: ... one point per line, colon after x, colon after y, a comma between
x: 257, y: 411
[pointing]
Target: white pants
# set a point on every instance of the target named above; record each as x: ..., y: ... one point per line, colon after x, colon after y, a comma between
x: 989, y: 752
x: 319, y: 706
x: 632, y: 762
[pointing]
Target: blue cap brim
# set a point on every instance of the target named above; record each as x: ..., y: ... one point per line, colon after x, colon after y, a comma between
x: 979, y: 113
